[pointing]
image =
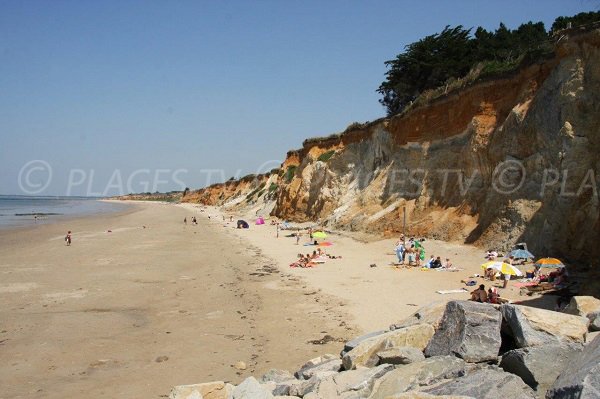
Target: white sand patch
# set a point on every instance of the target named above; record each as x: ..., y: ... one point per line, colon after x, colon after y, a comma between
x: 66, y: 295
x: 17, y: 287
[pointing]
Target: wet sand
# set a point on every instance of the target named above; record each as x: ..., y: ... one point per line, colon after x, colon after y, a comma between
x: 132, y: 312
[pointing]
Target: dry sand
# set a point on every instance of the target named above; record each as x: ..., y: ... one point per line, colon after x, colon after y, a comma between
x: 137, y: 310
x: 132, y: 312
x: 375, y: 296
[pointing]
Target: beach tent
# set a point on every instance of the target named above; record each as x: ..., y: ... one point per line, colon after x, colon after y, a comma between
x: 242, y: 224
x: 260, y: 220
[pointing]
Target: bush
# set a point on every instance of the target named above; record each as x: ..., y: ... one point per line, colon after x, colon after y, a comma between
x: 289, y: 174
x: 326, y: 156
x: 273, y: 187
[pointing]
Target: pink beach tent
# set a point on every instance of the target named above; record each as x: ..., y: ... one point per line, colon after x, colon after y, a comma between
x: 260, y: 220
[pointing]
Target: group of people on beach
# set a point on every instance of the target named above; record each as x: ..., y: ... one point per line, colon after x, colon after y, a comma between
x: 413, y: 252
x: 489, y: 296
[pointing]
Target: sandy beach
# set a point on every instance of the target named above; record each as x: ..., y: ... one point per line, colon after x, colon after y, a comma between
x: 135, y: 311
x: 141, y: 302
x: 376, y: 296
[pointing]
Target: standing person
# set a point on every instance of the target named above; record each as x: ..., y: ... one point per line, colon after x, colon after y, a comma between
x: 277, y: 227
x: 298, y: 237
x: 400, y: 250
x: 310, y: 232
x: 68, y: 238
x: 185, y: 221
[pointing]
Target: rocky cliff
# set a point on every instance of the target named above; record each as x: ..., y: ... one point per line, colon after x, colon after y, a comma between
x: 504, y: 160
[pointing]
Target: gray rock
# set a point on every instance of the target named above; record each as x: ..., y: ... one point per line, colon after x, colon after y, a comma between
x: 365, y: 354
x: 594, y: 321
x: 354, y: 383
x: 414, y: 375
x: 469, y: 330
x: 348, y: 346
x: 305, y: 373
x: 583, y: 306
x: 277, y: 375
x: 284, y: 387
x: 250, y: 388
x: 400, y: 355
x: 581, y: 377
x: 485, y: 383
x: 307, y: 386
x: 534, y: 327
x: 331, y: 365
x: 207, y: 390
x: 539, y: 366
x: 431, y: 313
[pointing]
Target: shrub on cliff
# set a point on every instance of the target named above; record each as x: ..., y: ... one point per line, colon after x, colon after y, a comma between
x: 444, y: 59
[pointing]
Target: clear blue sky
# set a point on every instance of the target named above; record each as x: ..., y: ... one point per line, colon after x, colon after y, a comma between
x: 125, y: 85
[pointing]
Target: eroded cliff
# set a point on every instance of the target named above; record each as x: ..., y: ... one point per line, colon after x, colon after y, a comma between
x: 506, y: 160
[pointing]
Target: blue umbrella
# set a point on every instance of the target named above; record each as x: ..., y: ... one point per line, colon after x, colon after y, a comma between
x: 521, y: 254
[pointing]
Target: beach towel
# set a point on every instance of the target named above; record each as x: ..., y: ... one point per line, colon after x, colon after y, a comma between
x: 444, y: 292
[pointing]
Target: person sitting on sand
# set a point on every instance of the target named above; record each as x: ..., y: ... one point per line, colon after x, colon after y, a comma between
x: 490, y: 274
x: 479, y: 295
x: 429, y: 262
x: 68, y: 238
x: 437, y: 263
x: 447, y: 264
x: 492, y: 296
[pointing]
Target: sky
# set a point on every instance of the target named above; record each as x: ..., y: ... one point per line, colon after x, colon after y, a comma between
x: 109, y: 97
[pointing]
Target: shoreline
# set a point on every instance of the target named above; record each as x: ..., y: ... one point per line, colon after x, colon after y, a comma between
x: 64, y: 218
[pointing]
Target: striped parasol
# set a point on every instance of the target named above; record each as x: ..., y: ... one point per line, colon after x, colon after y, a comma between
x: 502, y: 267
x: 549, y: 262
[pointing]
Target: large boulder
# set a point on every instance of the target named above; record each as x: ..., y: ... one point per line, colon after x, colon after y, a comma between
x: 276, y: 375
x: 431, y: 313
x: 354, y: 383
x: 485, y: 383
x: 353, y: 343
x: 208, y: 390
x: 534, y: 327
x: 539, y: 366
x: 581, y: 377
x: 365, y: 354
x: 582, y: 306
x: 250, y: 388
x: 321, y: 363
x: 412, y: 376
x: 400, y: 355
x: 469, y: 330
x: 307, y: 386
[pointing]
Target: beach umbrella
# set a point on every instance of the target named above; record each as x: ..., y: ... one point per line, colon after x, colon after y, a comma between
x: 502, y: 267
x: 319, y: 234
x: 521, y: 254
x: 549, y: 262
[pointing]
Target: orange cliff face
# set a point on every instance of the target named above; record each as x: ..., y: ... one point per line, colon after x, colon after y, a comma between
x: 471, y: 166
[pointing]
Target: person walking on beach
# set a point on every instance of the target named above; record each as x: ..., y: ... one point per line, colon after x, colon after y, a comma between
x: 68, y: 238
x: 298, y: 237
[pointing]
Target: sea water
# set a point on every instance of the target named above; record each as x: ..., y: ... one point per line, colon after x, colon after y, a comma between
x: 16, y: 210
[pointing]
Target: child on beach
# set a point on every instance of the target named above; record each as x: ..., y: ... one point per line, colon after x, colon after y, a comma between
x: 68, y: 238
